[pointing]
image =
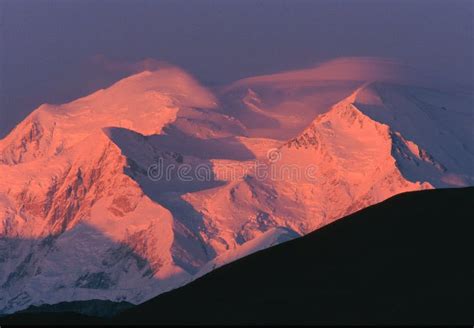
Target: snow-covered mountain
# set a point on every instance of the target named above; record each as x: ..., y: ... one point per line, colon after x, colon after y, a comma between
x: 84, y: 215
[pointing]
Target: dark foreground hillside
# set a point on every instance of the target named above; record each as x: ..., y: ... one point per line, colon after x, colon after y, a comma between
x: 407, y: 260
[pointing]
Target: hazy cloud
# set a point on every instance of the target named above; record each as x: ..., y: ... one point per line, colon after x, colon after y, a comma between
x: 128, y: 66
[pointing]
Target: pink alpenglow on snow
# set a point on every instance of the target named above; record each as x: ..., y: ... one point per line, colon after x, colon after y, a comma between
x: 84, y: 214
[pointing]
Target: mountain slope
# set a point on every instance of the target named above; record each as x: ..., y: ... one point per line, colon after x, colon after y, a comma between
x: 405, y: 260
x: 142, y: 187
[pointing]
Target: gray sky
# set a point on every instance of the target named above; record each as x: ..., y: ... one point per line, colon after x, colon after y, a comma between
x: 56, y: 51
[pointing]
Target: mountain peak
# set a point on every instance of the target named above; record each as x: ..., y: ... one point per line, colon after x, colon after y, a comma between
x: 395, y: 113
x: 144, y: 102
x: 169, y: 81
